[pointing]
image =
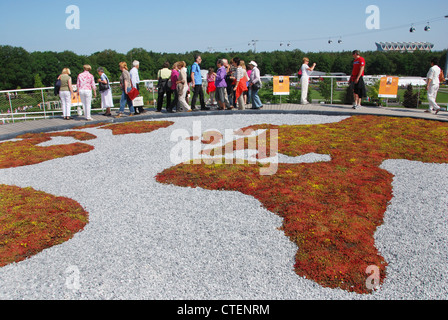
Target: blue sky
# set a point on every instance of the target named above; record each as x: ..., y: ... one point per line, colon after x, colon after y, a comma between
x: 181, y: 26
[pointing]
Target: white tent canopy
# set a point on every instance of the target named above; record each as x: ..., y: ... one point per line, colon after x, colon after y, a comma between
x: 415, y: 81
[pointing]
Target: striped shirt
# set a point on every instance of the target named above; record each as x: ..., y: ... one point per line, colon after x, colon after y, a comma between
x: 241, y: 73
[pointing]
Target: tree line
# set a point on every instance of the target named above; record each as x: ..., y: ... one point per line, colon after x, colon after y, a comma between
x: 22, y: 69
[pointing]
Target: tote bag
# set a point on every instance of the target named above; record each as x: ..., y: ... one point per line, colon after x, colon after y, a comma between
x: 133, y: 93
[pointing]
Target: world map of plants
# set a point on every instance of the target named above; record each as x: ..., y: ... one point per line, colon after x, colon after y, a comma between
x: 330, y: 210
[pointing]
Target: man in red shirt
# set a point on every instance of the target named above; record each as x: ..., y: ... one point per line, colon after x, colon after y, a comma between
x: 357, y: 79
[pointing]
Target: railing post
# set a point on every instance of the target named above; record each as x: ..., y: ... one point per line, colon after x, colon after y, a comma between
x: 43, y: 102
x: 331, y: 99
x: 153, y: 96
x: 418, y: 96
x: 10, y: 106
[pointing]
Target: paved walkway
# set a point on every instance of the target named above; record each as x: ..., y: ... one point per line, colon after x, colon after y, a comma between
x: 12, y: 130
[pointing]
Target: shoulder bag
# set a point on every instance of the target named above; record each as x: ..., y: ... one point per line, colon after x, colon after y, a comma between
x: 104, y: 86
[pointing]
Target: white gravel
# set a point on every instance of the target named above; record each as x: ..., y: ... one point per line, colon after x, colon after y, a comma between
x: 147, y: 240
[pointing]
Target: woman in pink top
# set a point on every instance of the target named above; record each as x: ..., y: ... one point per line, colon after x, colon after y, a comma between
x: 85, y: 84
x: 174, y: 77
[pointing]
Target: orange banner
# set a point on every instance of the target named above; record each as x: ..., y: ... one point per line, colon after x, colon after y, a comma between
x: 76, y: 100
x: 281, y: 85
x: 388, y: 87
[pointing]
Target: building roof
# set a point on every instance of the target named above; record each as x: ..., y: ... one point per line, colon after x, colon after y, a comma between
x: 404, y: 46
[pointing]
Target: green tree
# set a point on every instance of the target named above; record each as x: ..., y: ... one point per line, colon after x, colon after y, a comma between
x: 410, y: 99
x: 380, y: 64
x: 342, y: 63
x: 148, y: 67
x: 69, y: 59
x: 324, y: 61
x: 15, y: 68
x: 108, y: 59
x: 47, y: 66
x: 19, y: 67
x: 326, y: 88
x: 37, y: 81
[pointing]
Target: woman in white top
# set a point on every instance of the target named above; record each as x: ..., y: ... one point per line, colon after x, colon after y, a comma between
x: 241, y: 84
x: 304, y: 82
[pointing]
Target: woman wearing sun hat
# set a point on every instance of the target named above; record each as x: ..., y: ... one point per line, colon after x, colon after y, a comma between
x: 255, y: 85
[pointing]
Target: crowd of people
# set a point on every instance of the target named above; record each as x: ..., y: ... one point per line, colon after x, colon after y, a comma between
x: 87, y: 89
x: 232, y: 85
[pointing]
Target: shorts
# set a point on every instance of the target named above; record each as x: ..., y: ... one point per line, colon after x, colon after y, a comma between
x: 221, y: 94
x: 360, y: 88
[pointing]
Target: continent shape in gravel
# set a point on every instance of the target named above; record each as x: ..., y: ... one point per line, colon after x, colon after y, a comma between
x: 146, y: 240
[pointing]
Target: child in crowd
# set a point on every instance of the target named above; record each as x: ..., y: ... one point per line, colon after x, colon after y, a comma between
x: 211, y: 88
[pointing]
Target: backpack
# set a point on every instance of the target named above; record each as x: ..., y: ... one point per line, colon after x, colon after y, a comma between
x: 164, y: 85
x: 189, y: 74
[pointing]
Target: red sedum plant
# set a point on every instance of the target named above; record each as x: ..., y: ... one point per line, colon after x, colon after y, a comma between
x: 137, y: 127
x: 27, y: 152
x: 331, y: 210
x: 31, y: 221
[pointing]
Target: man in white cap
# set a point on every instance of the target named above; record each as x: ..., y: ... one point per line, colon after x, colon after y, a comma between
x: 135, y: 79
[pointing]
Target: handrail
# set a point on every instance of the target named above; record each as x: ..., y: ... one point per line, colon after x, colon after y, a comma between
x: 13, y: 115
x: 52, y: 88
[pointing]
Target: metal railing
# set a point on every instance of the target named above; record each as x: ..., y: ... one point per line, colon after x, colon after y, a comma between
x: 42, y: 103
x: 342, y: 83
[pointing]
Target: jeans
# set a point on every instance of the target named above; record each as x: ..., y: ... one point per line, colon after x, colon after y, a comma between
x: 255, y: 99
x: 231, y: 95
x: 125, y: 99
